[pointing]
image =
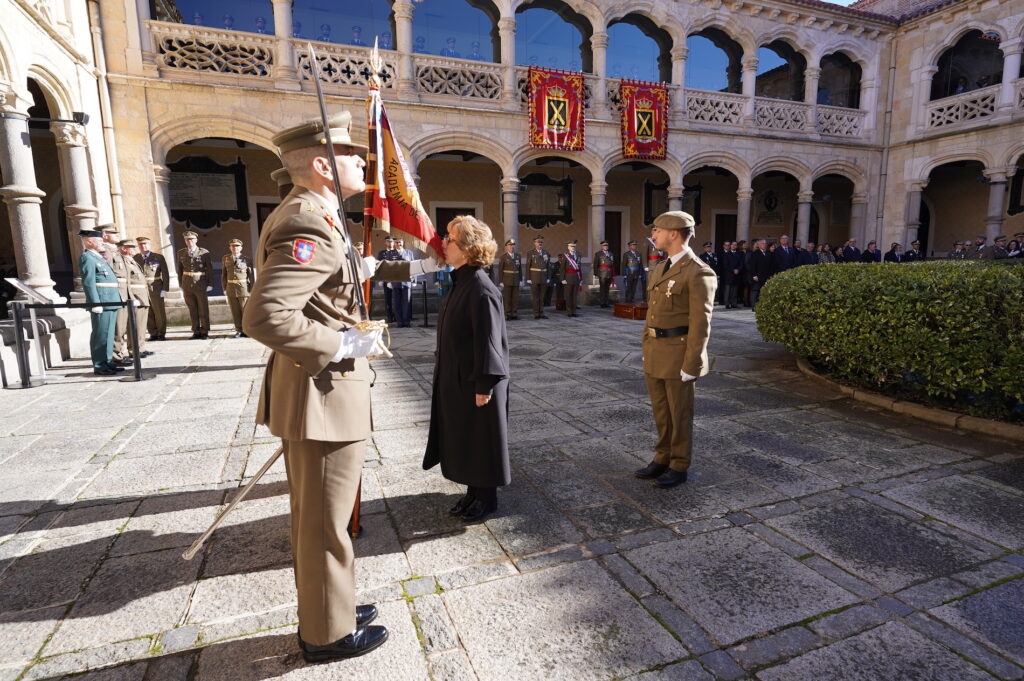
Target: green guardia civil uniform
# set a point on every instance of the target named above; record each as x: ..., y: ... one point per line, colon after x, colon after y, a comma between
x: 100, y: 286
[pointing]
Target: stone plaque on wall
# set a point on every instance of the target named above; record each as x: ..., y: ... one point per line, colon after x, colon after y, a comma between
x: 769, y: 208
x: 205, y: 193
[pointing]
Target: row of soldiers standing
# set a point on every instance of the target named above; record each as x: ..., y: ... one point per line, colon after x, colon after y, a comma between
x: 563, y: 275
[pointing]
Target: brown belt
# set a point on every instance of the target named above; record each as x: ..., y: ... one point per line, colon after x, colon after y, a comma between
x: 194, y: 274
x: 236, y: 281
x: 510, y: 271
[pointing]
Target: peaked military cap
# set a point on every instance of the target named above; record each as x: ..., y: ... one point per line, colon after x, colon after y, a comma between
x: 235, y: 242
x: 90, y: 232
x: 510, y: 242
x: 708, y: 244
x: 143, y: 239
x: 1018, y: 235
x: 538, y: 238
x: 281, y: 176
x: 126, y: 242
x: 912, y: 243
x: 571, y: 243
x: 983, y: 237
x: 109, y: 227
x: 604, y: 243
x: 1001, y: 237
x: 631, y: 243
x: 674, y: 219
x: 311, y: 134
x: 189, y: 235
x: 389, y: 238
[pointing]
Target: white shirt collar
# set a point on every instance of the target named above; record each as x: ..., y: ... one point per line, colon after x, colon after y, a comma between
x: 678, y: 256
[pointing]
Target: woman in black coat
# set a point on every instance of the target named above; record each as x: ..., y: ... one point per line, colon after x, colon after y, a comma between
x: 469, y: 404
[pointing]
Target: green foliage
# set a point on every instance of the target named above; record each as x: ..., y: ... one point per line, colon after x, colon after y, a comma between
x: 945, y: 333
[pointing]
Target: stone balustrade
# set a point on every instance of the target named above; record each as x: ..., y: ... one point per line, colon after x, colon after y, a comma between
x: 344, y: 65
x: 975, y: 105
x: 180, y: 47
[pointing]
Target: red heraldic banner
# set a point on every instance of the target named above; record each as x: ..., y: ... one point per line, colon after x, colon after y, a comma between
x: 644, y: 119
x: 391, y: 194
x: 556, y: 109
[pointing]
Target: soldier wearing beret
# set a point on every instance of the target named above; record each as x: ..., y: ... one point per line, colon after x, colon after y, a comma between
x: 99, y: 283
x: 237, y: 276
x: 538, y: 266
x: 195, y: 267
x: 632, y: 267
x: 569, y: 272
x: 154, y: 267
x: 997, y: 251
x: 511, y: 268
x: 316, y: 389
x: 604, y: 268
x: 681, y: 297
x: 914, y: 253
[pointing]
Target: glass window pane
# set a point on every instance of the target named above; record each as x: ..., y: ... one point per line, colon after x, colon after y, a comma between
x: 543, y: 38
x: 452, y: 28
x: 255, y: 16
x: 631, y: 53
x: 347, y: 22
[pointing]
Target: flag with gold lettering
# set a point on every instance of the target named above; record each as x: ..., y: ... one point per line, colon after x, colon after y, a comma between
x: 644, y: 119
x: 556, y: 109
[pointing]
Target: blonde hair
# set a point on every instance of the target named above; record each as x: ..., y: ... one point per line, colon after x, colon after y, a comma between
x: 475, y: 240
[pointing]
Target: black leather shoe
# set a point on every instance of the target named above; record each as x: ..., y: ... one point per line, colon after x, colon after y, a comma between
x: 365, y: 614
x: 196, y: 336
x: 651, y: 471
x: 543, y: 316
x: 146, y: 353
x: 104, y: 372
x: 461, y: 505
x: 478, y: 510
x: 114, y: 367
x: 670, y: 478
x: 359, y: 642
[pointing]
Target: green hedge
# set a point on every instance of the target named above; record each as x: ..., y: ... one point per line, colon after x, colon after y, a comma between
x: 950, y: 334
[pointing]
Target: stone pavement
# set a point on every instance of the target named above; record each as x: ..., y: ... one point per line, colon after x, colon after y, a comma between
x: 817, y: 539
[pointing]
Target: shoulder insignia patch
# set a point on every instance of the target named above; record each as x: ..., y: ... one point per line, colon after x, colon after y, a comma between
x: 303, y: 250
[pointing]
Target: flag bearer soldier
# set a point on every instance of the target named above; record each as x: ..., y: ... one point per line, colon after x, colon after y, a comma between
x: 237, y: 276
x: 568, y: 272
x: 653, y: 257
x: 196, y: 268
x: 511, y: 279
x: 154, y: 267
x: 388, y: 253
x: 138, y: 293
x: 99, y: 283
x: 316, y: 389
x: 604, y: 268
x: 119, y: 263
x: 681, y: 297
x: 632, y: 268
x: 538, y: 266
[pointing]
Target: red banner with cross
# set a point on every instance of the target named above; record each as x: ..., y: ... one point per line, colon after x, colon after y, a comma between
x: 644, y: 119
x: 556, y: 109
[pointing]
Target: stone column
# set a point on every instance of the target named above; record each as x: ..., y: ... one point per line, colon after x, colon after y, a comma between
x: 997, y: 180
x: 1011, y: 72
x: 510, y: 207
x: 923, y: 96
x: 22, y: 196
x: 286, y: 74
x: 913, y: 214
x: 869, y: 103
x: 675, y: 197
x: 599, y: 45
x: 406, y: 84
x: 145, y: 37
x: 749, y: 82
x: 744, y: 199
x: 803, y: 216
x: 858, y: 217
x: 679, y: 54
x: 509, y: 81
x: 811, y: 76
x: 162, y: 177
x: 78, y: 190
x: 598, y: 192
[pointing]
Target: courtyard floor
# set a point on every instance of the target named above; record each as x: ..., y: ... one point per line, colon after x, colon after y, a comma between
x: 817, y: 539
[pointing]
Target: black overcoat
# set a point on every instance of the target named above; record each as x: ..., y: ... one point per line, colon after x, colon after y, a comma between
x: 470, y: 442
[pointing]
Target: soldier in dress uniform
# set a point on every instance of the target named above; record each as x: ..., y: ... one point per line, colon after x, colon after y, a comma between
x: 388, y: 253
x: 632, y: 267
x: 154, y: 267
x: 511, y: 267
x: 99, y: 283
x: 401, y: 291
x: 237, y: 275
x: 111, y: 235
x: 681, y: 297
x: 118, y: 263
x: 914, y: 254
x: 974, y: 252
x: 569, y: 272
x: 138, y: 293
x: 959, y: 251
x: 652, y: 258
x: 997, y: 251
x: 316, y: 389
x: 283, y: 180
x: 195, y: 267
x: 538, y: 267
x: 604, y: 268
x: 710, y: 258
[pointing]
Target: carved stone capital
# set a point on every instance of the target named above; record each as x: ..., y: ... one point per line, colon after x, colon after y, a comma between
x: 676, y: 191
x: 812, y: 72
x: 679, y: 52
x: 510, y: 185
x: 744, y: 194
x: 805, y: 197
x: 507, y: 24
x: 161, y: 173
x: 749, y: 63
x: 859, y: 197
x: 14, y: 102
x: 995, y: 175
x: 69, y: 134
x: 598, y: 189
x: 599, y: 41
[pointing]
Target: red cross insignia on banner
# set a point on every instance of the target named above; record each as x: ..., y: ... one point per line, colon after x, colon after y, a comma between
x: 303, y: 250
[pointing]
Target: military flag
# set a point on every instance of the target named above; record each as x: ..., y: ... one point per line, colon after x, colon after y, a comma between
x: 644, y: 119
x: 556, y: 109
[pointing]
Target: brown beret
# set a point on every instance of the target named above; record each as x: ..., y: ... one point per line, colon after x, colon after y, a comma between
x: 674, y: 219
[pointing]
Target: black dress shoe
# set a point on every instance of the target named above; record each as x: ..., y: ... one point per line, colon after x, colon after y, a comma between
x: 365, y: 614
x: 670, y: 478
x: 114, y: 367
x: 478, y: 510
x: 146, y: 353
x: 543, y: 316
x: 359, y: 642
x: 238, y: 335
x: 462, y: 504
x: 651, y: 471
x: 104, y: 371
x: 196, y: 336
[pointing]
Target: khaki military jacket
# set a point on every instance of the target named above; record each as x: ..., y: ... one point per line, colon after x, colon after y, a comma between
x: 154, y: 266
x: 195, y: 270
x: 683, y: 296
x: 237, y: 276
x: 304, y: 297
x: 538, y: 266
x: 511, y: 269
x: 119, y: 264
x: 138, y: 288
x: 653, y: 257
x: 604, y: 264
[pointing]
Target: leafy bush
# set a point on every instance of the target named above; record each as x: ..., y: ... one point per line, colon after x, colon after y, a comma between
x: 946, y: 333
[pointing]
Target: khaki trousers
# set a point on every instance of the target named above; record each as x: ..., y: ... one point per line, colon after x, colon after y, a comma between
x: 510, y: 297
x: 198, y: 308
x: 322, y: 481
x: 157, y: 325
x: 537, y: 292
x: 672, y: 404
x: 572, y: 292
x: 122, y: 346
x: 237, y: 305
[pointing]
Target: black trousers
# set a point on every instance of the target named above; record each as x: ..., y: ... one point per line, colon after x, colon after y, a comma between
x: 488, y: 495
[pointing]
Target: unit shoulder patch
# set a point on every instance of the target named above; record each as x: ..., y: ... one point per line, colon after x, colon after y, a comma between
x: 303, y: 250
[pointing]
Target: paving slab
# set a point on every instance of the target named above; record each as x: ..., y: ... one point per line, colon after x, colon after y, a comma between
x: 471, y: 546
x: 994, y: 616
x: 151, y: 474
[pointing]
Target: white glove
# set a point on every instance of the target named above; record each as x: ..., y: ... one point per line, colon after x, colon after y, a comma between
x: 423, y: 266
x: 355, y: 343
x: 369, y: 266
x: 647, y: 269
x: 163, y: 294
x: 135, y: 303
x: 209, y: 288
x: 564, y: 281
x: 686, y: 377
x: 96, y: 310
x: 522, y: 284
x: 502, y: 285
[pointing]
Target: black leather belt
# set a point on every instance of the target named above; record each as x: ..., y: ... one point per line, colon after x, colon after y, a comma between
x: 667, y: 333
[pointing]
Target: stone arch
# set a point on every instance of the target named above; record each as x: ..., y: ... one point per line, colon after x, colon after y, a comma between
x: 718, y: 159
x: 953, y: 38
x: 669, y: 166
x: 7, y: 56
x: 1018, y: 30
x: 787, y: 165
x: 847, y: 169
x: 588, y: 10
x: 433, y: 143
x: 788, y: 36
x: 847, y: 47
x: 588, y: 159
x: 928, y: 165
x: 57, y: 96
x: 1015, y: 153
x: 729, y: 25
x: 167, y: 135
x: 652, y: 11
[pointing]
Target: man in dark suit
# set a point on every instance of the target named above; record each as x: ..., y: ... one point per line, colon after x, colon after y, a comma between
x: 895, y: 253
x: 850, y: 251
x: 808, y: 256
x: 733, y: 269
x: 760, y: 270
x: 872, y: 254
x: 784, y: 257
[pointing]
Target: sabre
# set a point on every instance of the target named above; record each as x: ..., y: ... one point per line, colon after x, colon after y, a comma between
x: 198, y: 543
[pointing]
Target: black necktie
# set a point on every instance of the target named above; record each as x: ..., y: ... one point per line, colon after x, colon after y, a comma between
x: 664, y: 269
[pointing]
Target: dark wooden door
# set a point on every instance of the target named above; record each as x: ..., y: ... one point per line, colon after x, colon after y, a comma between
x: 446, y: 215
x: 613, y: 235
x: 725, y: 229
